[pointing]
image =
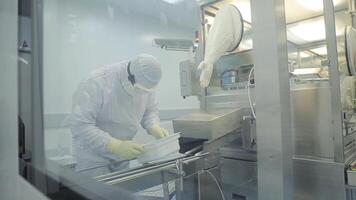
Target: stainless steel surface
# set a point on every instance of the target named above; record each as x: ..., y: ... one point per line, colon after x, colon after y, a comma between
x: 201, y: 50
x: 143, y: 170
x: 144, y: 181
x: 213, y: 146
x: 179, y: 183
x: 318, y: 168
x: 239, y: 178
x: 208, y: 125
x: 208, y: 188
x: 248, y: 134
x: 316, y: 110
x: 199, y: 187
x: 238, y: 171
x: 25, y: 103
x: 353, y: 16
x: 203, y: 94
x: 318, y: 179
x: 238, y: 153
x: 274, y: 145
x: 240, y: 62
x: 350, y: 193
x: 331, y: 42
x: 230, y: 99
x: 189, y: 84
x: 12, y: 185
x: 173, y: 44
x: 312, y: 121
x: 350, y: 147
x: 183, y: 173
x: 351, y: 177
x: 165, y: 187
x: 37, y: 132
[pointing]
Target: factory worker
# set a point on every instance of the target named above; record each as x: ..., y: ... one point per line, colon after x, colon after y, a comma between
x: 108, y: 108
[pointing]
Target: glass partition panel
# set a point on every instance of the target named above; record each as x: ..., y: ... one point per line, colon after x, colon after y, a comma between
x: 125, y: 114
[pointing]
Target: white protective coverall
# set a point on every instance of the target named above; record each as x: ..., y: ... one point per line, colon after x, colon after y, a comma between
x: 107, y: 105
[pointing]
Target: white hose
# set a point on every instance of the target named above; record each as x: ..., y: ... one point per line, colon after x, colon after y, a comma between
x: 217, y: 183
x: 248, y: 92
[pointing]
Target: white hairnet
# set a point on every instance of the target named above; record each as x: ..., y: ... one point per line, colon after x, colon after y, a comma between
x: 147, y: 70
x: 224, y: 36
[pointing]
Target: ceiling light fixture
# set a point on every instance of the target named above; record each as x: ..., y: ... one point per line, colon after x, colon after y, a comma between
x: 315, y: 5
x: 308, y: 31
x: 173, y: 1
x: 304, y: 71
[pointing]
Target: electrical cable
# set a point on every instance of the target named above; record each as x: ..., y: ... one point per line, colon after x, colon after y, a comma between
x: 248, y: 92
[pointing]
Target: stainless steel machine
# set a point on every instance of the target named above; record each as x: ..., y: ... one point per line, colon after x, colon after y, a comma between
x: 322, y: 155
x: 216, y: 141
x: 220, y: 144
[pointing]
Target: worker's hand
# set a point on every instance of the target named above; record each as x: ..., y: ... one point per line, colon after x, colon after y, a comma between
x: 157, y: 131
x: 125, y: 149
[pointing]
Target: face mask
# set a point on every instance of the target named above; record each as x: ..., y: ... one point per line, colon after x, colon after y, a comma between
x: 140, y: 87
x: 140, y: 91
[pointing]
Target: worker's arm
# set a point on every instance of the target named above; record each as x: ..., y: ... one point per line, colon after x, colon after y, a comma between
x: 150, y: 120
x: 150, y: 116
x: 87, y: 101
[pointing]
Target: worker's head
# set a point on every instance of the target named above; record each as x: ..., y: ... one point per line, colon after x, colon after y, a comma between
x: 146, y: 71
